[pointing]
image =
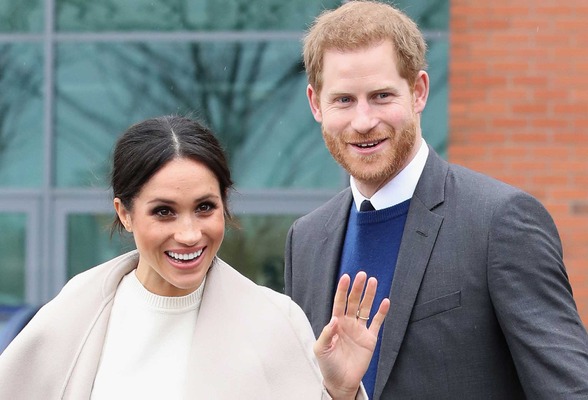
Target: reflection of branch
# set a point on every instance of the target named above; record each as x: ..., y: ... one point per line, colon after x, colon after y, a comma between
x: 19, y: 83
x: 232, y: 85
x: 201, y: 75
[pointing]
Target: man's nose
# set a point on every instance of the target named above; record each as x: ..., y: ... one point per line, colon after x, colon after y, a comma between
x: 364, y: 119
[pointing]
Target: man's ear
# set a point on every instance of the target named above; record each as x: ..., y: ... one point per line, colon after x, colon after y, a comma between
x: 421, y: 91
x: 123, y: 214
x: 313, y: 101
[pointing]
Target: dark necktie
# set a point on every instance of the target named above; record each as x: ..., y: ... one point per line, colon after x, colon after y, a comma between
x: 366, y: 206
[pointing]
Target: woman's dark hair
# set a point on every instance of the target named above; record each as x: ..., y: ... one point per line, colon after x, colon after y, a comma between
x: 145, y: 147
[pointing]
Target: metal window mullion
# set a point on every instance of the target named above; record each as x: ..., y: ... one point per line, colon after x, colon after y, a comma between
x: 47, y: 238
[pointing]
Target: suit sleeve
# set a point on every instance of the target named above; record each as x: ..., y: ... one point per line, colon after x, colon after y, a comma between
x: 288, y: 262
x: 534, y: 303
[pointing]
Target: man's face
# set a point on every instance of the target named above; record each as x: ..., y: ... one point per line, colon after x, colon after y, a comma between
x: 369, y: 114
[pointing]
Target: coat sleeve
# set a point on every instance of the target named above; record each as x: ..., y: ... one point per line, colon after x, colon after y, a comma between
x: 533, y: 301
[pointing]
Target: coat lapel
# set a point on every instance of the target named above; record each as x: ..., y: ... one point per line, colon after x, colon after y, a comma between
x: 248, y: 343
x: 215, y: 339
x: 418, y: 240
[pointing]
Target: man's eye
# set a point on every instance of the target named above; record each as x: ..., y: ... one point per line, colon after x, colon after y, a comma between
x: 383, y: 95
x: 344, y: 99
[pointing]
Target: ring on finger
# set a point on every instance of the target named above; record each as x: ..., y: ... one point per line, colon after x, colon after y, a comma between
x: 360, y: 317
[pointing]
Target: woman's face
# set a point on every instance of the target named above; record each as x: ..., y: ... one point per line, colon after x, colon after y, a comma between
x: 178, y: 224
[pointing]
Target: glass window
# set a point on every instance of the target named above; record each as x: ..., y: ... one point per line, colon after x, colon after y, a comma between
x: 186, y: 15
x: 12, y: 267
x: 89, y: 243
x: 21, y: 16
x: 21, y: 115
x: 251, y: 94
x: 256, y: 248
x: 434, y: 122
x: 428, y: 14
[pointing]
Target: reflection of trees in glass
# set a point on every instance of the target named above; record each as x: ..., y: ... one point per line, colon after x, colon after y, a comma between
x: 257, y: 248
x: 12, y: 248
x: 251, y: 92
x: 90, y: 243
x: 21, y: 16
x: 20, y: 86
x: 428, y: 14
x: 187, y: 15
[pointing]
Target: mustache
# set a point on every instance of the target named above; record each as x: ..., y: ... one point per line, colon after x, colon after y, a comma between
x: 374, y: 134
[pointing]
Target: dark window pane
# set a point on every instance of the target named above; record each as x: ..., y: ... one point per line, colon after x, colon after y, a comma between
x: 12, y: 267
x: 251, y: 94
x: 21, y: 16
x: 187, y: 15
x: 89, y: 243
x: 21, y: 115
x: 257, y: 249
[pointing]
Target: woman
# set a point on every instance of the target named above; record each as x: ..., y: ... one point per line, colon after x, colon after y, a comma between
x: 173, y: 321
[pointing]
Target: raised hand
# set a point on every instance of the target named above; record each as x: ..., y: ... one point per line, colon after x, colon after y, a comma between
x: 346, y: 345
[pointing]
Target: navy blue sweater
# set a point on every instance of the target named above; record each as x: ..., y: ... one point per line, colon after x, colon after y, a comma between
x: 371, y: 245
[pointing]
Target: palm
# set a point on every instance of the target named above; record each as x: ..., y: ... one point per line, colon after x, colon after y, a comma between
x: 346, y: 345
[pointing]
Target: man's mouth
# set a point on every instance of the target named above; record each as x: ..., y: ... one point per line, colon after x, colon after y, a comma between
x: 368, y: 145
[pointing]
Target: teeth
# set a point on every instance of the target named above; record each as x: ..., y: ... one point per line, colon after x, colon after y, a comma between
x: 184, y: 257
x: 366, y: 145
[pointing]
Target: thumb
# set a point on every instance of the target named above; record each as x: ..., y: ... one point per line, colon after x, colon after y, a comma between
x: 327, y: 339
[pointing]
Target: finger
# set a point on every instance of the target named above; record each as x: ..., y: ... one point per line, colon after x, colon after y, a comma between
x: 355, y: 295
x: 378, y: 319
x: 365, y: 307
x: 340, y: 300
x: 327, y: 338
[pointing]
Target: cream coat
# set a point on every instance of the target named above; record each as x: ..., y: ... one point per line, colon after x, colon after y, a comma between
x: 250, y: 342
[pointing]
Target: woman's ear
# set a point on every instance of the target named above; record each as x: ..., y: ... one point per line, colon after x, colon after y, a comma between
x: 123, y: 214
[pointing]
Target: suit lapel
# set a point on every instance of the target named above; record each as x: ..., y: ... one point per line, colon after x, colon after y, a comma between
x: 328, y: 255
x: 418, y: 240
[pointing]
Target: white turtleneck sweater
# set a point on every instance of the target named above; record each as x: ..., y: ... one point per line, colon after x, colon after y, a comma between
x: 147, y: 344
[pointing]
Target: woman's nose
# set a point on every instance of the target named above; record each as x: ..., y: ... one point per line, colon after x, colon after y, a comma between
x: 188, y: 233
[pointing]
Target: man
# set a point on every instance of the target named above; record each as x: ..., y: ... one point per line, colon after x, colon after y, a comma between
x: 481, y: 306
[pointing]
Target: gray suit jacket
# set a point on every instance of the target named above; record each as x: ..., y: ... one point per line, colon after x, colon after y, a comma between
x: 481, y: 306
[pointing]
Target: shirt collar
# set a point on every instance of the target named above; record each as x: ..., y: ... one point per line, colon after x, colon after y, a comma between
x: 400, y: 188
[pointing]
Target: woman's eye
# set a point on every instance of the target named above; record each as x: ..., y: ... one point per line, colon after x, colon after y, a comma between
x: 162, y: 212
x: 205, y: 207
